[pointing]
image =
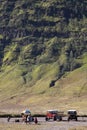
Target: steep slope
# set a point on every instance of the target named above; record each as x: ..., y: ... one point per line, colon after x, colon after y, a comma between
x: 43, y: 51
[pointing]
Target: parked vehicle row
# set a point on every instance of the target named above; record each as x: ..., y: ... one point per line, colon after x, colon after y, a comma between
x: 57, y: 115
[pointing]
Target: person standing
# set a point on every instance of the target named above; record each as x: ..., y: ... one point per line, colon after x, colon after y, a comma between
x: 8, y: 119
x: 35, y: 120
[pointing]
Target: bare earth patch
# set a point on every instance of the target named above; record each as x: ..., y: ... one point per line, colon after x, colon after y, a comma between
x: 43, y: 125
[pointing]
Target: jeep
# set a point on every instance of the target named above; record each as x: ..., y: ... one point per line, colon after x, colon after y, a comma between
x: 53, y: 114
x: 72, y: 115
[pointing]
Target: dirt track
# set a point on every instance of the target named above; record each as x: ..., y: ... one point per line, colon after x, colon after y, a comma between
x: 52, y: 125
x: 63, y: 125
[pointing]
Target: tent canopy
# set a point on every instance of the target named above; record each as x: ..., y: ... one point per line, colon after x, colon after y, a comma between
x: 26, y: 112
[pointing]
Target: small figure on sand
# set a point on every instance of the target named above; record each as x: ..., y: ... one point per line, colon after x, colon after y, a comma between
x: 8, y: 119
x: 35, y: 120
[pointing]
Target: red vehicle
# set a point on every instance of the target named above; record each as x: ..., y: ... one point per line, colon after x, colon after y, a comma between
x: 53, y: 114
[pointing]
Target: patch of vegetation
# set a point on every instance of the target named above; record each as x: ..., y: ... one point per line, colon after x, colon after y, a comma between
x: 41, y: 43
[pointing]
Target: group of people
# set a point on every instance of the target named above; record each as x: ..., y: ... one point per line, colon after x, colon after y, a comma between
x: 26, y: 119
x: 30, y: 119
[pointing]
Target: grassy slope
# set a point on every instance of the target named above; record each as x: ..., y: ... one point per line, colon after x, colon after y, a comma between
x: 28, y: 85
x: 70, y: 92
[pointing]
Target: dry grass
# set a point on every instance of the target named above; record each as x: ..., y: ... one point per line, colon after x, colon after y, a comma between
x: 12, y: 126
x: 46, y: 126
x: 70, y: 92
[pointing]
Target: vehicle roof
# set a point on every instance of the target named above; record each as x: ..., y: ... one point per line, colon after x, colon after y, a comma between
x: 71, y: 110
x: 51, y: 110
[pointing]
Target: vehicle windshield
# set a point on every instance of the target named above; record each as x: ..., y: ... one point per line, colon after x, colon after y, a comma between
x: 53, y: 112
x: 71, y: 112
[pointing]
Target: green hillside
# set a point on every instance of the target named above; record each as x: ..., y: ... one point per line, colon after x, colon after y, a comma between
x: 43, y: 53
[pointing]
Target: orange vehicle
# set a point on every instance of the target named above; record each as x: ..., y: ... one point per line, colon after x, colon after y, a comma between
x: 53, y: 114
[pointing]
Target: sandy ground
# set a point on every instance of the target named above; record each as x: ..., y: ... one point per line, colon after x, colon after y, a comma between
x: 51, y: 125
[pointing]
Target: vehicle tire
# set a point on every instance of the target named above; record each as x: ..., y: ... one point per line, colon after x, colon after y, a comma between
x: 55, y: 118
x: 60, y: 118
x: 76, y: 119
x: 46, y: 119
